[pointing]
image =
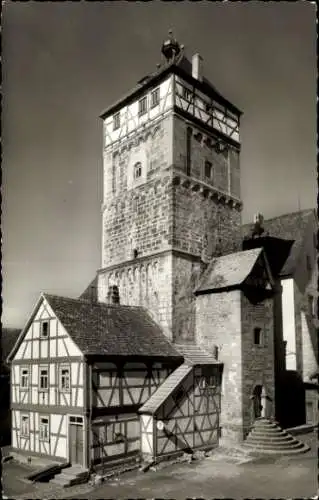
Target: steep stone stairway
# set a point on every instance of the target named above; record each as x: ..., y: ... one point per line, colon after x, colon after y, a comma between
x: 267, y: 437
x: 71, y: 476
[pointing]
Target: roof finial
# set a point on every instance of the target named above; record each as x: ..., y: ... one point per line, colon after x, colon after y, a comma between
x: 171, y: 48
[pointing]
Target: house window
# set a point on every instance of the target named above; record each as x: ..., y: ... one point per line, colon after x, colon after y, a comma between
x: 137, y: 170
x: 24, y: 426
x: 44, y: 329
x: 116, y: 121
x: 155, y: 98
x: 44, y: 434
x: 44, y: 379
x: 142, y: 106
x: 76, y: 420
x: 24, y: 378
x: 257, y: 336
x: 208, y: 170
x: 64, y: 379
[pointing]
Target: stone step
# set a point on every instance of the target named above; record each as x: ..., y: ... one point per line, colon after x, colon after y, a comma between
x: 267, y: 437
x: 72, y: 474
x: 270, y: 431
x: 278, y: 439
x: 294, y: 451
x: 274, y: 446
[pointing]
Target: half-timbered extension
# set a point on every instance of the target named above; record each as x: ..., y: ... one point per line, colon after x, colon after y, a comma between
x: 80, y: 372
x: 184, y: 413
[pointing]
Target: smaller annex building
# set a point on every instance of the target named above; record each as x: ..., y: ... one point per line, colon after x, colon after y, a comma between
x: 95, y: 382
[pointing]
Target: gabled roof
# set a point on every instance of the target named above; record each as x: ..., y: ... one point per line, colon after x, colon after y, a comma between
x: 108, y: 330
x: 290, y: 226
x: 165, y: 389
x: 195, y: 355
x: 182, y: 66
x: 229, y: 271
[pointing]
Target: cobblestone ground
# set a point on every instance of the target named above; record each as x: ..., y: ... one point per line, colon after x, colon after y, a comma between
x: 223, y: 474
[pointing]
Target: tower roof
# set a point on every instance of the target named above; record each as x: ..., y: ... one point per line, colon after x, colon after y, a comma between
x: 175, y: 62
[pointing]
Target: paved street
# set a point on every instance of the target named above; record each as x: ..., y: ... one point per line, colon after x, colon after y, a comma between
x: 217, y: 476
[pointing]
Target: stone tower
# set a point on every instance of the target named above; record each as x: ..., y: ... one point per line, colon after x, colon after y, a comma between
x: 171, y: 189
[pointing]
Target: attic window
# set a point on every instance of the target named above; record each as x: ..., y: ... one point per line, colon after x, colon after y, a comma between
x: 257, y: 336
x: 44, y: 329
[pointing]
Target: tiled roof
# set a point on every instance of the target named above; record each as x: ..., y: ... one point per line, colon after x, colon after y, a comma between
x: 182, y: 63
x: 289, y: 227
x: 90, y: 292
x: 165, y: 389
x: 229, y: 270
x: 195, y: 355
x: 113, y: 330
x: 9, y: 337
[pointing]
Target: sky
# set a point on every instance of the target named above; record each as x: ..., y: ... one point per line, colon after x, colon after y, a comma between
x: 64, y: 63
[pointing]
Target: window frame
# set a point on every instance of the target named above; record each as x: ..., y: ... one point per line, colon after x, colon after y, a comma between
x: 42, y: 437
x: 42, y: 323
x: 23, y: 434
x: 155, y: 98
x: 116, y: 120
x: 137, y: 167
x: 22, y: 387
x: 43, y: 389
x: 61, y: 368
x: 142, y: 110
x: 208, y: 164
x: 187, y: 94
x: 259, y: 331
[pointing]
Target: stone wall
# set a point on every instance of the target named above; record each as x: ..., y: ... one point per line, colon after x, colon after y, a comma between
x: 226, y: 168
x: 218, y: 322
x: 137, y: 213
x: 186, y: 274
x: 145, y: 282
x: 204, y: 226
x: 257, y: 360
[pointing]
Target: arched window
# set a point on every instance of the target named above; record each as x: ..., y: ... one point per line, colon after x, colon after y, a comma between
x: 137, y: 170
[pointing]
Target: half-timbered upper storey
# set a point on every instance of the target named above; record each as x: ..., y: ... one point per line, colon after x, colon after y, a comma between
x: 178, y: 85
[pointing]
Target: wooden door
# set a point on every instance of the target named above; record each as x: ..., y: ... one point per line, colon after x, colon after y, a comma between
x: 76, y: 443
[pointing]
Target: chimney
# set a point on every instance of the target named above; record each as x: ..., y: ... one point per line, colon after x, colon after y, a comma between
x: 197, y: 67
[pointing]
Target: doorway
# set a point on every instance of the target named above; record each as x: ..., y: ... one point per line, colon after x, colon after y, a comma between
x: 257, y: 407
x: 76, y: 445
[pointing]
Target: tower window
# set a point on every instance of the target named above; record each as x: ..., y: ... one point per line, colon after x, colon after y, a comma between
x: 188, y: 150
x: 208, y: 170
x: 257, y: 336
x: 142, y: 106
x: 155, y: 98
x: 116, y: 121
x: 137, y: 170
